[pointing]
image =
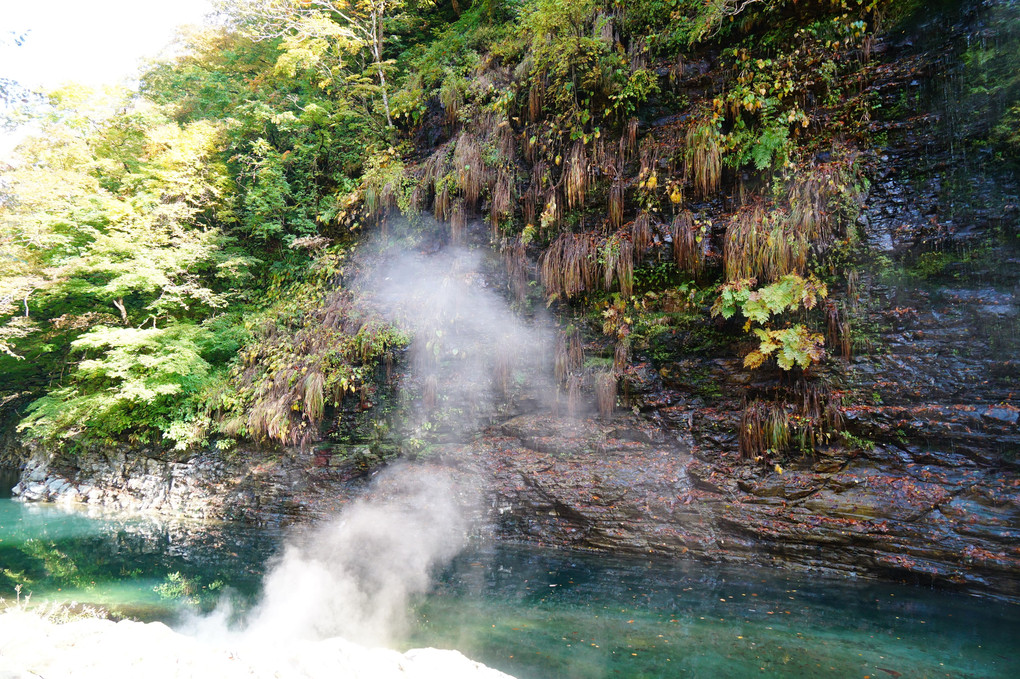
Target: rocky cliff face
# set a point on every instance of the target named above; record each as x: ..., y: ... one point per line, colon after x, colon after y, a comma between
x: 922, y: 482
x: 204, y: 487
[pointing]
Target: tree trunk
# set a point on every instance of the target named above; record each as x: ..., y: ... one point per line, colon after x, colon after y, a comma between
x: 119, y: 303
x: 377, y: 44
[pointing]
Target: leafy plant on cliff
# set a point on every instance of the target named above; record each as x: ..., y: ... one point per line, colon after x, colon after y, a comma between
x: 792, y: 345
x: 310, y: 348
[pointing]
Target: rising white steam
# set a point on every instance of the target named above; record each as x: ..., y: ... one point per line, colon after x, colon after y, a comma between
x: 468, y: 344
x: 354, y: 576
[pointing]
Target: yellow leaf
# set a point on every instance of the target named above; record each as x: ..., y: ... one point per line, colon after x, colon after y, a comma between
x: 754, y: 360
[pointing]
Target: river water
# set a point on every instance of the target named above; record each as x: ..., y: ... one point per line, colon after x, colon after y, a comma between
x: 540, y: 613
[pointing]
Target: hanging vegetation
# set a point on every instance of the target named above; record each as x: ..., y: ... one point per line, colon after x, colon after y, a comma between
x: 605, y: 392
x: 128, y: 276
x: 704, y: 157
x: 804, y: 420
x: 688, y: 250
x: 641, y: 234
x: 576, y: 176
x: 762, y: 243
x: 568, y: 266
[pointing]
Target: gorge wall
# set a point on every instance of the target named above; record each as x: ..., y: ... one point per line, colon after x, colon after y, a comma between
x: 911, y: 470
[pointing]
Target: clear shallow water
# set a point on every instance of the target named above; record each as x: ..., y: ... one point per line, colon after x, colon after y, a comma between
x: 540, y: 613
x: 134, y: 567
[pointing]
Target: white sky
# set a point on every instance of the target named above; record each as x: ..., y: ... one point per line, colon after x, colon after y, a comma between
x: 88, y: 41
x: 93, y: 42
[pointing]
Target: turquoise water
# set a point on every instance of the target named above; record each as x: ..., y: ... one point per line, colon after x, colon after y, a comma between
x: 541, y: 613
x: 133, y: 567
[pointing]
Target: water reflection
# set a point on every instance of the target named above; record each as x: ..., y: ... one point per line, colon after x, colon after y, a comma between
x: 125, y: 564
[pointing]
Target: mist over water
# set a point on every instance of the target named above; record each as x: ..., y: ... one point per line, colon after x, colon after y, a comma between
x: 355, y: 576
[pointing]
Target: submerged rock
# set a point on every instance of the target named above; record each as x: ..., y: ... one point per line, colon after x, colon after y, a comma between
x: 31, y: 646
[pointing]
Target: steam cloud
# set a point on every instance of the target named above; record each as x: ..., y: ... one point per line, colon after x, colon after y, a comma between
x: 354, y: 576
x: 469, y: 345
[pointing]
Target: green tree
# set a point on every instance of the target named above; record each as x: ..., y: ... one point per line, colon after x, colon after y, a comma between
x: 325, y: 34
x: 111, y: 219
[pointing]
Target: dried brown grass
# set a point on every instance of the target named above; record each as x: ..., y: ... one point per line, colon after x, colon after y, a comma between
x: 568, y: 266
x: 628, y: 140
x: 313, y: 396
x: 764, y: 430
x: 536, y: 98
x: 419, y: 197
x: 804, y: 418
x: 574, y: 399
x: 560, y: 359
x: 471, y: 172
x: 501, y: 205
x: 648, y: 159
x: 815, y: 195
x: 616, y: 204
x: 504, y: 138
x: 625, y: 268
x: 574, y: 264
x: 605, y: 392
x: 552, y: 213
x: 452, y: 99
x: 529, y: 206
x: 296, y: 367
x: 435, y: 167
x: 515, y: 260
x: 576, y: 175
x: 621, y: 355
x: 441, y: 206
x: 609, y: 259
x: 605, y: 158
x: 688, y: 253
x: 761, y: 243
x: 575, y: 350
x: 837, y: 329
x: 641, y: 234
x: 379, y: 200
x: 530, y: 147
x: 703, y: 160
